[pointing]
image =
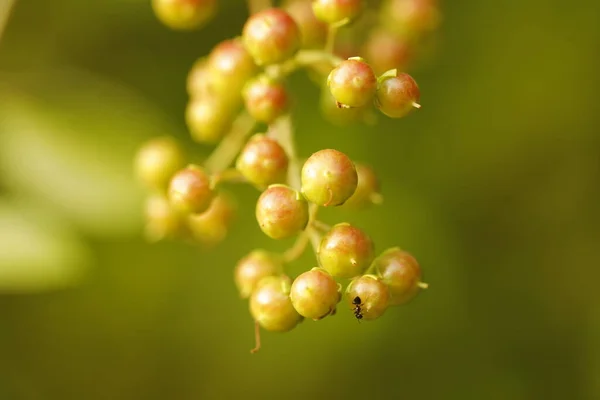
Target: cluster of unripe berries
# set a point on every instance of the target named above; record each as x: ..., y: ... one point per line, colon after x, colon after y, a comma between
x: 240, y: 87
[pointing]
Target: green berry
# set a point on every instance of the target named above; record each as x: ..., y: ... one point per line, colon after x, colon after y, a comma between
x: 329, y: 178
x: 313, y: 32
x: 337, y: 11
x: 265, y: 99
x: 190, y: 190
x: 263, y: 161
x: 373, y: 295
x: 410, y: 17
x: 281, y: 212
x: 271, y: 307
x: 271, y: 36
x: 184, y: 14
x: 211, y: 227
x: 254, y: 267
x: 385, y: 51
x: 341, y: 116
x: 315, y: 294
x: 401, y: 273
x: 352, y: 83
x: 197, y: 83
x: 367, y: 192
x: 157, y: 160
x: 345, y: 251
x: 209, y: 118
x: 397, y: 94
x: 162, y: 221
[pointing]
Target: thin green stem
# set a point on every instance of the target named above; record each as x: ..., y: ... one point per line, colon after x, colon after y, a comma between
x: 282, y: 131
x: 225, y: 153
x: 321, y: 226
x: 331, y: 35
x: 6, y: 7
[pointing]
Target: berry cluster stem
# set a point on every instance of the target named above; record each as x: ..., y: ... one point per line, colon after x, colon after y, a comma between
x: 282, y: 131
x: 225, y: 153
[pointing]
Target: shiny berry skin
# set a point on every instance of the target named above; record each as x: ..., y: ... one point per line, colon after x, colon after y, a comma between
x: 352, y: 83
x: 263, y: 161
x: 373, y: 294
x: 271, y: 307
x: 254, y: 267
x: 329, y: 178
x: 401, y: 273
x: 397, y: 95
x: 157, y: 160
x: 368, y: 190
x: 190, y: 190
x: 385, y: 51
x: 281, y: 212
x: 345, y: 251
x: 315, y: 294
x: 162, y: 221
x: 211, y: 227
x: 313, y: 32
x: 184, y: 14
x: 265, y: 99
x: 208, y: 118
x: 271, y: 36
x: 336, y: 11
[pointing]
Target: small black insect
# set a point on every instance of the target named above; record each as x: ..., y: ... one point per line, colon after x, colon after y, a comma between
x: 357, y: 308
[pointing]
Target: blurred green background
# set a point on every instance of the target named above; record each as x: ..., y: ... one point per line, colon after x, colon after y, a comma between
x: 493, y: 185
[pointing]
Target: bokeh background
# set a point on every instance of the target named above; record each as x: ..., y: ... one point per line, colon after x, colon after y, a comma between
x: 493, y: 185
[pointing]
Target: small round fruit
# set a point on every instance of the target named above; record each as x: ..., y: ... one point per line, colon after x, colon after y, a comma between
x: 313, y: 32
x: 345, y: 251
x: 190, y: 190
x: 208, y: 118
x: 367, y: 192
x: 184, y: 14
x: 397, y: 95
x: 352, y: 83
x: 281, y: 212
x: 211, y: 227
x: 386, y: 51
x: 263, y: 161
x: 265, y: 99
x: 254, y: 267
x: 410, y: 17
x: 271, y: 36
x: 271, y: 307
x: 401, y: 273
x: 341, y: 116
x: 157, y: 160
x: 329, y: 178
x: 197, y: 83
x: 336, y: 11
x: 315, y: 294
x: 373, y: 294
x: 162, y: 221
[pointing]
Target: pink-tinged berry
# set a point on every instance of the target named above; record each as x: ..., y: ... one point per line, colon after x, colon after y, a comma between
x: 315, y: 294
x: 263, y: 161
x: 265, y: 99
x: 281, y: 212
x: 345, y: 251
x: 397, y: 94
x: 313, y: 32
x: 337, y: 11
x: 271, y: 307
x: 253, y: 267
x: 271, y: 36
x: 352, y: 83
x: 368, y: 190
x: 157, y: 160
x: 184, y: 14
x: 190, y: 190
x: 401, y: 273
x: 385, y: 51
x: 368, y: 297
x: 211, y: 227
x: 208, y: 118
x: 329, y: 178
x: 162, y: 222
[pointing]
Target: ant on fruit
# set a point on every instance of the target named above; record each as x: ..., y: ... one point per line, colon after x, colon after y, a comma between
x: 357, y: 302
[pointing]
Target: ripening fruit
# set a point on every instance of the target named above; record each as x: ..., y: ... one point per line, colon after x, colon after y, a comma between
x: 342, y: 116
x: 265, y: 99
x: 157, y: 160
x: 397, y: 94
x: 271, y: 36
x: 162, y: 221
x: 329, y: 178
x: 315, y: 294
x: 367, y: 192
x: 211, y: 227
x: 281, y: 212
x: 208, y: 118
x: 197, y: 83
x: 313, y: 32
x: 373, y: 294
x: 345, y: 251
x: 184, y: 14
x: 401, y: 273
x: 385, y: 51
x: 410, y: 17
x: 270, y: 304
x: 352, y: 83
x: 253, y: 267
x: 190, y: 190
x: 263, y: 161
x: 336, y: 11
